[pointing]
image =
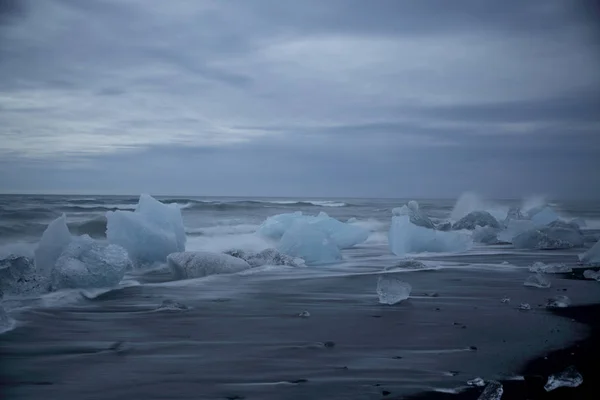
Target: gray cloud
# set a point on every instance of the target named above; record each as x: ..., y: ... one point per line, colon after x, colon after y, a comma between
x: 311, y: 98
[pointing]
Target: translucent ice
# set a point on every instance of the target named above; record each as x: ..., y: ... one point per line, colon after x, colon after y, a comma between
x: 558, y: 302
x: 475, y: 219
x: 570, y: 377
x: 197, y: 264
x: 88, y: 263
x: 274, y: 227
x: 590, y: 274
x: 343, y: 235
x: 592, y: 256
x: 416, y: 217
x: 548, y: 239
x: 405, y: 237
x: 392, y: 290
x: 485, y: 234
x: 514, y: 227
x: 309, y: 243
x: 543, y: 217
x: 550, y: 268
x: 54, y: 240
x: 150, y: 233
x: 537, y: 281
x: 18, y: 276
x: 493, y: 391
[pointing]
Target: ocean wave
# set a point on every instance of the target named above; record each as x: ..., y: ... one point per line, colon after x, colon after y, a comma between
x: 248, y: 204
x: 223, y: 230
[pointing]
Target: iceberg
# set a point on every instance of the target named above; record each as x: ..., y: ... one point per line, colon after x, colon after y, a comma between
x: 18, y: 276
x: 304, y: 240
x: 392, y: 290
x: 274, y: 227
x: 592, y: 256
x: 150, y: 233
x: 537, y: 281
x: 344, y: 235
x: 475, y: 219
x: 407, y: 264
x: 570, y: 377
x: 54, y: 240
x: 416, y: 217
x: 198, y: 264
x: 405, y: 237
x: 88, y: 263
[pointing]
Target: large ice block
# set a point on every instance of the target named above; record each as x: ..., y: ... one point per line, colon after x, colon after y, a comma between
x: 54, y: 240
x: 304, y: 240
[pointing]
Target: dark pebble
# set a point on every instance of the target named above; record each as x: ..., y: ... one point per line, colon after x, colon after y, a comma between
x: 329, y: 344
x: 299, y: 381
x: 386, y: 393
x: 473, y: 348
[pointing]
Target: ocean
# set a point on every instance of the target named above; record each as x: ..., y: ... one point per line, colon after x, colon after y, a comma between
x: 239, y: 336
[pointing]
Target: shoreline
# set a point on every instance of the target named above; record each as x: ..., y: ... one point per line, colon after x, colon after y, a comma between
x: 583, y: 354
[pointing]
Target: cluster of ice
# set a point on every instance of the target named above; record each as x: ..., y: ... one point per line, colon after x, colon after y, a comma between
x: 406, y: 237
x: 475, y: 219
x: 570, y: 377
x: 88, y: 263
x: 19, y: 277
x: 407, y: 264
x: 198, y: 264
x: 312, y: 245
x: 150, y: 233
x: 592, y: 256
x: 550, y: 268
x: 411, y: 209
x: 392, y: 290
x: 537, y: 281
x: 266, y: 257
x: 77, y: 262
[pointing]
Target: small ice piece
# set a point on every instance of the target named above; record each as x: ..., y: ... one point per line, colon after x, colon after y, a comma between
x: 505, y: 300
x: 549, y: 268
x: 525, y: 307
x: 271, y: 257
x: 309, y: 243
x: 172, y: 305
x: 54, y: 240
x: 392, y: 290
x: 274, y: 227
x: 514, y: 227
x: 505, y: 263
x: 537, y: 281
x: 592, y: 256
x: 406, y: 237
x: 304, y: 314
x: 591, y: 274
x: 544, y: 216
x: 475, y: 219
x: 493, y: 391
x: 198, y: 264
x: 558, y: 302
x: 570, y: 377
x: 476, y: 382
x: 88, y: 263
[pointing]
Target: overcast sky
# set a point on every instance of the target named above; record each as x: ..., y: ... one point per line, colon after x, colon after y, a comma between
x: 384, y: 98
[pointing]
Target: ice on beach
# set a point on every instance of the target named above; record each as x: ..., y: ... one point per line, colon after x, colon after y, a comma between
x: 485, y: 235
x: 88, y: 263
x: 475, y: 219
x: 525, y: 307
x: 54, y: 241
x: 392, y: 290
x: 570, y: 377
x: 469, y: 202
x: 592, y: 256
x: 591, y: 274
x: 492, y: 391
x: 476, y: 382
x: 550, y: 268
x: 18, y: 276
x: 343, y: 235
x: 558, y: 302
x: 537, y: 281
x: 274, y: 227
x: 150, y: 233
x: 411, y: 209
x: 543, y: 217
x: 548, y: 239
x: 309, y: 243
x: 271, y: 257
x: 198, y: 264
x: 405, y: 237
x: 514, y: 227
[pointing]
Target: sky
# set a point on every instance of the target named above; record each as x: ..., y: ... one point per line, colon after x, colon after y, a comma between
x: 337, y: 98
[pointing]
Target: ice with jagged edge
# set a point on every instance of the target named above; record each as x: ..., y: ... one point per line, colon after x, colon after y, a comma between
x: 493, y: 391
x: 267, y: 257
x: 548, y: 238
x: 537, y: 281
x: 54, y: 241
x: 592, y: 256
x: 305, y: 241
x: 150, y: 233
x: 392, y: 290
x: 18, y: 276
x: 198, y: 264
x: 475, y: 219
x: 591, y: 274
x: 570, y: 377
x: 550, y: 268
x: 275, y: 226
x: 411, y: 209
x: 405, y: 237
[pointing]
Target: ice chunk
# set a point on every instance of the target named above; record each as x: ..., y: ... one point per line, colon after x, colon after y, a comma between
x: 171, y: 305
x: 273, y: 257
x: 150, y: 233
x: 274, y: 227
x: 592, y: 256
x: 407, y: 264
x: 88, y: 263
x: 548, y: 239
x: 405, y: 237
x: 543, y: 217
x: 537, y: 281
x: 475, y: 219
x: 476, y: 382
x: 444, y: 226
x: 18, y: 276
x: 493, y: 391
x: 304, y: 314
x: 591, y: 274
x: 343, y: 235
x: 550, y: 268
x: 485, y: 234
x: 416, y: 217
x: 558, y: 302
x: 309, y: 243
x: 54, y: 240
x: 468, y: 202
x: 197, y: 264
x: 570, y: 377
x: 392, y: 290
x: 514, y: 228
x: 524, y: 307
